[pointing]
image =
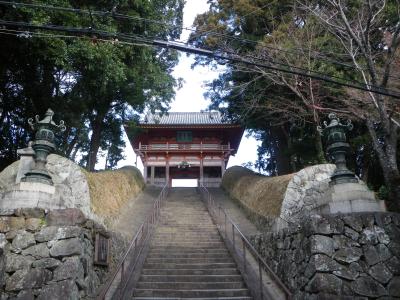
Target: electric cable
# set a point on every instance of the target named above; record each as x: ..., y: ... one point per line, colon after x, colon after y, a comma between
x: 115, y: 15
x: 213, y: 54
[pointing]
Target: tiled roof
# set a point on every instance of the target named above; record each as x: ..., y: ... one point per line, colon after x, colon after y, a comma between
x: 184, y: 118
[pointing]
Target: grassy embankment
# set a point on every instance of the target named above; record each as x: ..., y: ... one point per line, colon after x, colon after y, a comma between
x: 258, y: 195
x: 111, y: 190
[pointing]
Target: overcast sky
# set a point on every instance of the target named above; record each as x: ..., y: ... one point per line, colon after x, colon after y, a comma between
x: 190, y: 97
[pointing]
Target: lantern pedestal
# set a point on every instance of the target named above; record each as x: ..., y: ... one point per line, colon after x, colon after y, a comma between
x: 349, y: 197
x: 31, y: 194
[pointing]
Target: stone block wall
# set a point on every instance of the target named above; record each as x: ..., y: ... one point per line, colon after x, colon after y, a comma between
x: 48, y: 255
x: 349, y: 256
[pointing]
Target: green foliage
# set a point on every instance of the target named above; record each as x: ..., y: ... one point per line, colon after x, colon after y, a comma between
x: 383, y: 193
x: 95, y: 86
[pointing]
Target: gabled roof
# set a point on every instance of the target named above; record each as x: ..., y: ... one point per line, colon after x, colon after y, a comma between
x: 184, y: 118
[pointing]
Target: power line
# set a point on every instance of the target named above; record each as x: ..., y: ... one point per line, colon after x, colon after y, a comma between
x: 109, y: 14
x: 215, y: 55
x: 113, y: 14
x: 28, y: 34
x: 296, y: 67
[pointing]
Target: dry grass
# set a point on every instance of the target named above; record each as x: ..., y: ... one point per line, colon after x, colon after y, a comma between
x: 110, y: 190
x: 259, y: 194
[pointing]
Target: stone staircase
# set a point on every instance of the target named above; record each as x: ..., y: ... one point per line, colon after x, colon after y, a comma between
x: 187, y: 258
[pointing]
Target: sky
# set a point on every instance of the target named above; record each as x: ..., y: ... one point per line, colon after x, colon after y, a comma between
x: 190, y: 97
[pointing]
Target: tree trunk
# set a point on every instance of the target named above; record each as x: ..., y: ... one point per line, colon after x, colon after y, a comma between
x: 319, y: 147
x: 387, y: 155
x: 366, y: 162
x: 282, y: 160
x: 97, y: 128
x: 107, y: 156
x: 72, y: 144
x: 392, y: 182
x: 75, y: 152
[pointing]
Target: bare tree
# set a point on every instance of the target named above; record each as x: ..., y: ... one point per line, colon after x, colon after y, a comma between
x: 284, y: 97
x: 370, y: 39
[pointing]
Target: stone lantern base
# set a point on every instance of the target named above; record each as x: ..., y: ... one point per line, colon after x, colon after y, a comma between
x: 30, y: 194
x: 311, y: 191
x: 348, y: 198
x: 70, y: 189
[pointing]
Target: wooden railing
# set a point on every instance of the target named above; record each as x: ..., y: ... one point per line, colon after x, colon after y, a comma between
x: 183, y: 147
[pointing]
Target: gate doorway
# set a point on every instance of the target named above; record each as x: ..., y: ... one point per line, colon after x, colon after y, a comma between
x: 184, y: 177
x: 184, y: 183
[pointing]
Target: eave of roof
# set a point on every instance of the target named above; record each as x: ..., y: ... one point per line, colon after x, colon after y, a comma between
x: 194, y: 126
x: 184, y: 118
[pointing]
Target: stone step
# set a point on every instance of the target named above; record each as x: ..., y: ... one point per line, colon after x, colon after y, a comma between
x: 174, y: 231
x: 185, y: 217
x: 193, y: 236
x: 182, y: 224
x: 188, y: 260
x: 208, y: 298
x: 189, y: 237
x: 194, y: 209
x: 189, y: 265
x: 200, y: 227
x: 187, y: 242
x: 189, y: 208
x: 190, y: 293
x: 186, y: 235
x: 186, y: 250
x: 184, y: 241
x: 171, y: 230
x: 169, y: 244
x: 220, y: 271
x: 190, y: 285
x: 188, y: 255
x: 188, y: 228
x: 190, y: 225
x: 191, y: 278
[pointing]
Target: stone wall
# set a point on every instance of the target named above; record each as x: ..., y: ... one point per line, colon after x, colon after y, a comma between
x: 338, y: 256
x: 49, y: 255
x: 305, y: 190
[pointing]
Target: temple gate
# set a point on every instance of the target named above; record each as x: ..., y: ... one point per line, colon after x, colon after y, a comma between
x: 185, y: 145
